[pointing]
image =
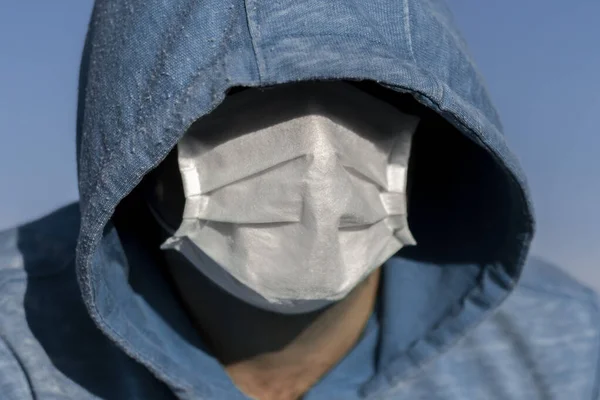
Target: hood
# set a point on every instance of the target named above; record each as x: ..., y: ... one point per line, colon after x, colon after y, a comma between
x: 151, y: 68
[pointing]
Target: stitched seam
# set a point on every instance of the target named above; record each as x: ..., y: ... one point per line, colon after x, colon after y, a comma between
x: 407, y: 30
x: 159, y: 62
x: 336, y: 35
x: 259, y: 68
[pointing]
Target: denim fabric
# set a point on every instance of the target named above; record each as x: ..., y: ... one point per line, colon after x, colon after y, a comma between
x: 463, y: 315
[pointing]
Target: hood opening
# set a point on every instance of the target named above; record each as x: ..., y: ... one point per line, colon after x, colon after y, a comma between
x: 459, y: 201
x: 460, y: 205
x: 459, y: 197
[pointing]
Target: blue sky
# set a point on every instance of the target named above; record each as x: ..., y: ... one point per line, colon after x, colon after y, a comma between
x: 540, y: 57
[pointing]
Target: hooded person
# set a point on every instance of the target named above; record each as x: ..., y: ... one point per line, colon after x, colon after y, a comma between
x: 282, y: 200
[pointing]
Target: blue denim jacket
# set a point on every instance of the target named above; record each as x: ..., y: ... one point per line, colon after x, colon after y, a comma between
x: 86, y: 314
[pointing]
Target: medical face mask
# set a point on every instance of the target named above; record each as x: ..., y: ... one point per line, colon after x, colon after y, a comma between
x: 293, y: 196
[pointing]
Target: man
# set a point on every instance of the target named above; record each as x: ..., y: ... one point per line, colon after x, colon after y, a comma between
x: 285, y: 200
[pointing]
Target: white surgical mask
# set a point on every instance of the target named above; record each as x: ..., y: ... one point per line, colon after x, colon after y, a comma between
x: 291, y: 215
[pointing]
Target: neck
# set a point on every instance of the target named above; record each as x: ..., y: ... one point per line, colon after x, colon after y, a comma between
x: 269, y: 355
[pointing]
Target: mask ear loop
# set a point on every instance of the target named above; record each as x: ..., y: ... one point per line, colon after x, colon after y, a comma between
x: 166, y: 227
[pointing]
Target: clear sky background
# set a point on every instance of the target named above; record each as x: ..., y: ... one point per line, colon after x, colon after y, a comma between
x: 541, y: 59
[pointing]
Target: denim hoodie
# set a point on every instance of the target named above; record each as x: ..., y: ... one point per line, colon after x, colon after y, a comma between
x: 86, y: 314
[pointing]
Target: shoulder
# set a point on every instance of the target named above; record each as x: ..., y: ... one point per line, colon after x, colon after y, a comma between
x: 544, y: 339
x: 549, y: 299
x: 29, y: 254
x: 554, y: 322
x: 36, y: 270
x: 40, y: 248
x: 546, y: 279
x: 48, y: 343
x: 37, y: 265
